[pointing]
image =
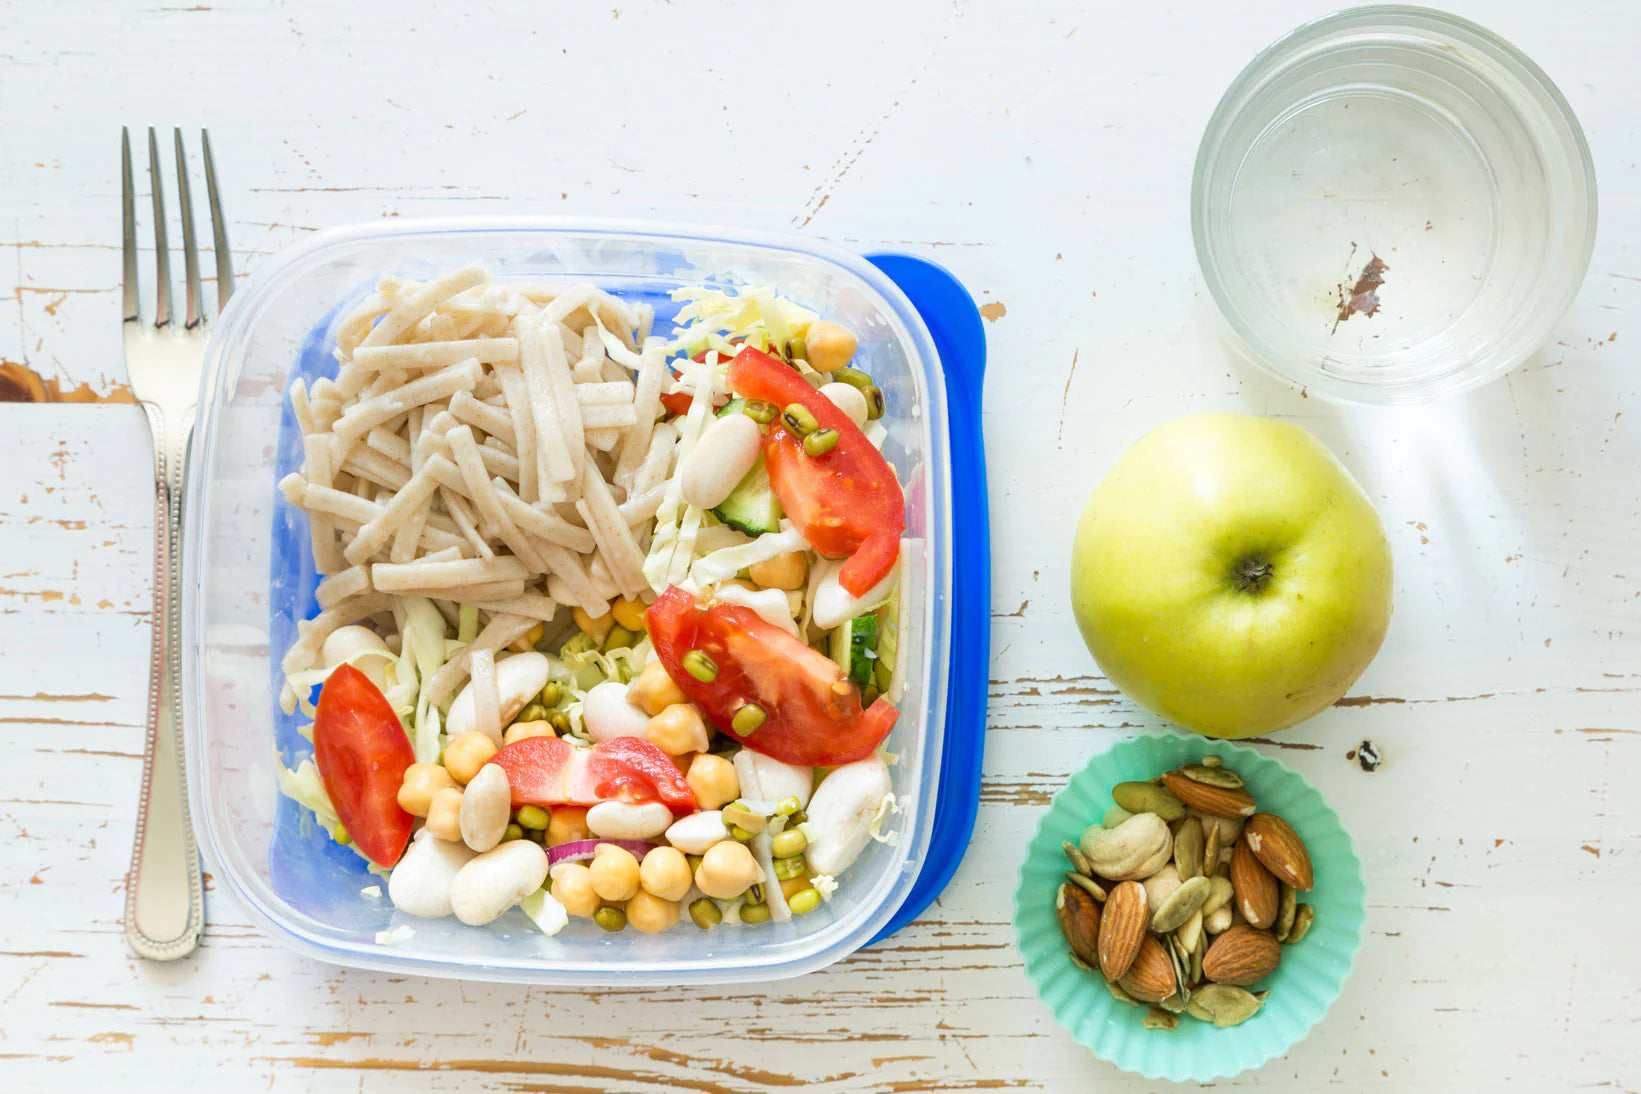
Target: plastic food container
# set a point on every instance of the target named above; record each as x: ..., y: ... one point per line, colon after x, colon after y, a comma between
x: 249, y: 576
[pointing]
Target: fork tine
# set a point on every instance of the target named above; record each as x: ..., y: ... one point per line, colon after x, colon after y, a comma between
x: 162, y: 250
x: 128, y: 229
x: 190, y: 253
x: 219, y: 228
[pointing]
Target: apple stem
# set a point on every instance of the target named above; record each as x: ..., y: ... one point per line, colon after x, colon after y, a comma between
x: 1252, y: 574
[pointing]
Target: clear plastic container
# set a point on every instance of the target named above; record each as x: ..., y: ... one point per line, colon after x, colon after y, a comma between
x: 244, y: 584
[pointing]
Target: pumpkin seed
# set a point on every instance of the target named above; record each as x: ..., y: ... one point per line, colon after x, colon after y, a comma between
x: 1211, y: 761
x: 1210, y: 849
x: 1190, y: 932
x: 1219, y: 895
x: 1145, y: 798
x: 1185, y: 902
x: 1303, y: 917
x: 1121, y: 996
x: 1087, y: 885
x: 1188, y: 848
x: 1157, y: 1018
x: 1114, y: 816
x: 1196, y: 1010
x: 1079, y: 861
x: 1285, y: 912
x: 1212, y: 776
x: 1079, y: 962
x: 1174, y: 1004
x: 1229, y: 1005
x: 1197, y: 954
x: 1182, y: 974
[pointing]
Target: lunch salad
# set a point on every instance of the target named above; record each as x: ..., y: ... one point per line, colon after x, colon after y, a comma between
x: 608, y: 620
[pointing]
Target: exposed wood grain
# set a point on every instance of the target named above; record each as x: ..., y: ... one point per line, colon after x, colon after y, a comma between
x: 1043, y: 153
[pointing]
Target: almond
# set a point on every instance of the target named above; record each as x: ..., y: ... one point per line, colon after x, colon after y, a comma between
x: 1280, y: 850
x: 1258, y: 897
x: 1079, y: 915
x: 1241, y: 956
x: 1122, y: 928
x: 1217, y: 801
x: 1151, y: 977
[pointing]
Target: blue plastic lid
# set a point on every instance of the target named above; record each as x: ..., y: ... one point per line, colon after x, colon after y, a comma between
x: 954, y: 322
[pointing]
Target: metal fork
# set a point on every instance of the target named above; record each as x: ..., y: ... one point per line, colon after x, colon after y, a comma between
x: 164, y: 900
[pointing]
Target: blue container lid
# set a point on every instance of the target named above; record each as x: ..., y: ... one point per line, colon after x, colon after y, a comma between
x: 959, y: 336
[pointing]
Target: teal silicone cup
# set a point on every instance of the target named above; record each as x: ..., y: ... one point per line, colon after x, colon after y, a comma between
x: 1302, y: 988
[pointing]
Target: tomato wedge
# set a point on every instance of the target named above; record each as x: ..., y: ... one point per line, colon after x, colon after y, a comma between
x: 813, y: 713
x: 362, y: 753
x: 846, y: 502
x: 547, y: 771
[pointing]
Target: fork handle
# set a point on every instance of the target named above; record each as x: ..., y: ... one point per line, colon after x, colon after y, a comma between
x: 164, y: 897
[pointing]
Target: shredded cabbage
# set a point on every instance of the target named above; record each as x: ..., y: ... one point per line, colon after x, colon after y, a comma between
x: 374, y: 892
x: 713, y: 319
x: 887, y: 807
x: 825, y: 885
x: 303, y: 683
x: 545, y: 911
x: 424, y: 651
x: 402, y: 933
x: 676, y: 523
x: 303, y: 786
x: 469, y: 624
x: 725, y: 563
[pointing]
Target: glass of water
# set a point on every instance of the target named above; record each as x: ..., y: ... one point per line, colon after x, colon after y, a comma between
x: 1393, y: 204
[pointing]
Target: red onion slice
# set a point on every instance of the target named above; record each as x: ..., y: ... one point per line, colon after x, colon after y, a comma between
x: 582, y: 849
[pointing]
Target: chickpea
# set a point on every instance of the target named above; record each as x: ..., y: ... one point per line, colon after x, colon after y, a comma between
x: 726, y: 870
x: 830, y: 347
x: 651, y: 914
x: 629, y: 613
x: 652, y: 690
x: 421, y: 782
x: 444, y: 815
x: 713, y: 780
x: 677, y: 730
x: 597, y: 627
x: 466, y: 754
x: 573, y: 888
x: 614, y: 873
x: 664, y: 873
x: 785, y: 572
x: 520, y: 730
x: 568, y: 824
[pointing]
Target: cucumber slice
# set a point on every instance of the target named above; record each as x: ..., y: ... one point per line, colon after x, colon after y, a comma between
x: 732, y: 407
x: 752, y: 506
x: 888, y: 641
x: 854, y: 647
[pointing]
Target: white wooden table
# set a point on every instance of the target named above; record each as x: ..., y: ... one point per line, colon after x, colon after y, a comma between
x: 1042, y: 152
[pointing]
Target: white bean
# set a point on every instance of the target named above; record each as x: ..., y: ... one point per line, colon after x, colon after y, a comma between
x: 698, y: 831
x: 766, y: 779
x: 607, y: 714
x: 834, y: 605
x: 847, y: 398
x: 841, y: 812
x: 420, y: 883
x: 519, y: 678
x: 345, y: 643
x: 618, y: 820
x: 497, y: 880
x: 486, y: 804
x: 719, y: 460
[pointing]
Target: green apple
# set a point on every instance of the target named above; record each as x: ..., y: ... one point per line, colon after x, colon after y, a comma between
x: 1229, y: 575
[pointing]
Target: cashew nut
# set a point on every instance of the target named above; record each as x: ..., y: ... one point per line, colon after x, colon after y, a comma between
x: 485, y: 807
x: 607, y: 714
x: 496, y: 880
x: 420, y: 884
x: 618, y: 820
